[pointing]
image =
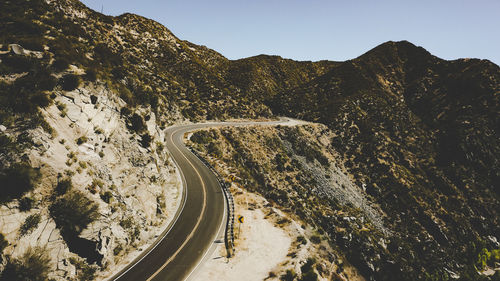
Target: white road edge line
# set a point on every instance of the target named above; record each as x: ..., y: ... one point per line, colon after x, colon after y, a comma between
x: 169, y: 228
x: 198, y: 221
x: 213, y: 245
x: 235, y: 124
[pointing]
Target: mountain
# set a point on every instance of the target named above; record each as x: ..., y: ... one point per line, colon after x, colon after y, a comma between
x: 422, y: 135
x: 418, y: 135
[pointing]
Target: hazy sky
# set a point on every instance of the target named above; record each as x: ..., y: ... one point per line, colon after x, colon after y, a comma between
x: 324, y: 29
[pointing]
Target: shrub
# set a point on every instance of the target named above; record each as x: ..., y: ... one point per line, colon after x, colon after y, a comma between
x: 308, y: 266
x: 73, y: 212
x: 30, y: 223
x: 107, y: 196
x: 309, y: 276
x: 26, y: 94
x: 33, y: 265
x: 81, y: 140
x: 98, y: 131
x: 125, y: 111
x: 40, y: 99
x: 214, y: 150
x: 26, y: 204
x: 18, y: 179
x: 201, y: 137
x: 145, y: 140
x: 83, y: 269
x: 127, y: 223
x: 126, y: 94
x: 136, y: 123
x: 63, y: 186
x: 316, y: 239
x: 104, y: 54
x: 159, y: 146
x: 289, y: 275
x: 70, y: 82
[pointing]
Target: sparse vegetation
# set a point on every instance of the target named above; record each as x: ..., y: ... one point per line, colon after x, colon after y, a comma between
x: 289, y: 275
x: 73, y: 211
x: 81, y: 140
x: 26, y: 203
x: 30, y: 223
x: 106, y: 196
x: 63, y: 186
x: 98, y: 131
x: 18, y: 179
x: 85, y: 272
x: 146, y: 140
x: 417, y: 135
x: 33, y: 265
x: 136, y: 123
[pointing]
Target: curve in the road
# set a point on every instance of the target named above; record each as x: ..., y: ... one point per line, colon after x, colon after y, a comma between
x: 180, y: 248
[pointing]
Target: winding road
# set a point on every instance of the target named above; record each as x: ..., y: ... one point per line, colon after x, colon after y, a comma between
x: 197, y: 223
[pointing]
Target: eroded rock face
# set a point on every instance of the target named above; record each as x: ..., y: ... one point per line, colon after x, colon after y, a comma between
x: 93, y: 147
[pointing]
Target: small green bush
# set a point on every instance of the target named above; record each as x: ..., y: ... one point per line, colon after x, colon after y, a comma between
x: 307, y: 269
x: 136, y: 123
x: 308, y: 266
x: 106, y: 196
x: 16, y: 180
x: 289, y: 275
x: 145, y: 140
x: 26, y: 203
x: 73, y: 212
x: 127, y: 223
x: 316, y: 239
x: 63, y: 186
x: 214, y: 150
x: 45, y: 81
x: 30, y: 224
x: 309, y: 276
x: 33, y: 265
x: 125, y: 111
x: 81, y: 140
x: 201, y: 137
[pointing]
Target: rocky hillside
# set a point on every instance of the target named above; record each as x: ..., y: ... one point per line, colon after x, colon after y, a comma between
x: 408, y: 146
x: 422, y: 136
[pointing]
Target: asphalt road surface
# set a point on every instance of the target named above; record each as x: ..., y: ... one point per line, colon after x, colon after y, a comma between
x: 194, y: 228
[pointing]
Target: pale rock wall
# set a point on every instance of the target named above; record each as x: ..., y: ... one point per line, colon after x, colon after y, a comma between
x: 144, y: 183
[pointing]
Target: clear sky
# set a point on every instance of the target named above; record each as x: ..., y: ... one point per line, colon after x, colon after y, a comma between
x: 324, y: 29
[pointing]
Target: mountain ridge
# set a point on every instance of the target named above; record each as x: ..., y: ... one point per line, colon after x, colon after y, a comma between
x: 418, y: 135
